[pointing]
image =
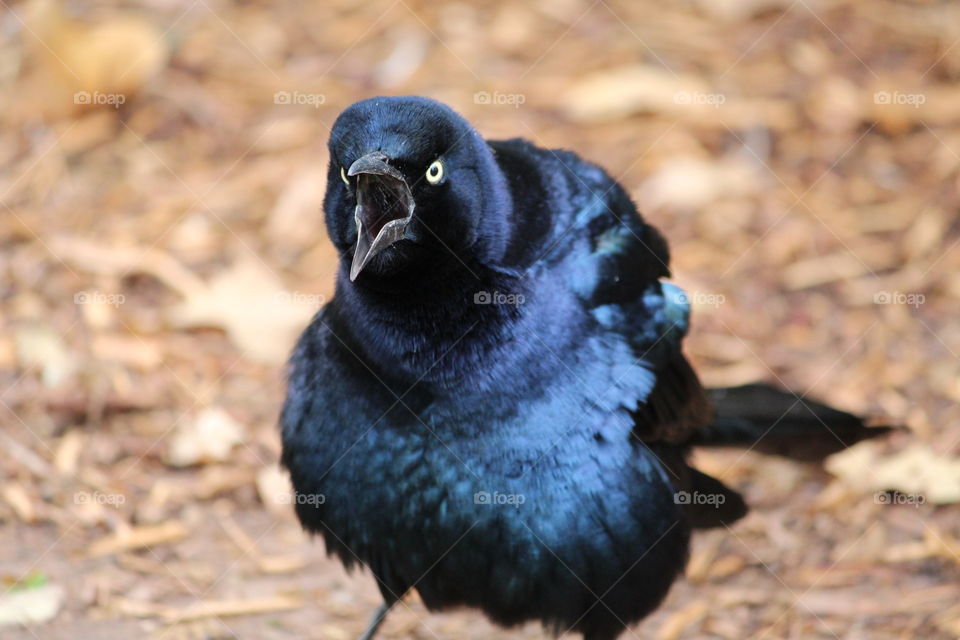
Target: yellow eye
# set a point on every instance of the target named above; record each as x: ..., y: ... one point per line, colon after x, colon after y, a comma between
x: 435, y: 172
x: 343, y: 176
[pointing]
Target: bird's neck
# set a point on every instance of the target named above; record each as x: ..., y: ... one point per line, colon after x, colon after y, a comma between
x: 440, y: 332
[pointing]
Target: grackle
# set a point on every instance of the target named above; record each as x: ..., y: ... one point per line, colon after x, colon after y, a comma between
x: 494, y: 408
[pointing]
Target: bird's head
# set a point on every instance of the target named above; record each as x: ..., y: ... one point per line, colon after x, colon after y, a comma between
x: 411, y: 186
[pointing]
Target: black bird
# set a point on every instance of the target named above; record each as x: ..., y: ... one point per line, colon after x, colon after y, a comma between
x: 494, y: 408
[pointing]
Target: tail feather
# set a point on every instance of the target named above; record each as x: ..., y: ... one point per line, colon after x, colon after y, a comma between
x: 710, y: 503
x: 777, y: 422
x: 706, y: 501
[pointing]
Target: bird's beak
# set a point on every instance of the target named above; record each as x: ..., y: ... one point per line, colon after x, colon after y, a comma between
x: 384, y: 208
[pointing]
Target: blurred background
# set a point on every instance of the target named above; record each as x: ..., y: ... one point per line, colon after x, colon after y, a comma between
x: 162, y: 167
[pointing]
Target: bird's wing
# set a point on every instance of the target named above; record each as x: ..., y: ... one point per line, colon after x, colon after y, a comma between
x: 580, y: 226
x: 615, y: 262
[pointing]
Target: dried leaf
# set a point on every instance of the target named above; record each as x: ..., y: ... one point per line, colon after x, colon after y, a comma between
x: 299, y: 203
x: 273, y: 485
x: 209, y: 437
x: 251, y: 304
x: 31, y: 605
x: 689, y: 183
x: 615, y: 93
x: 916, y: 470
x: 113, y: 56
x: 40, y: 346
x: 112, y: 260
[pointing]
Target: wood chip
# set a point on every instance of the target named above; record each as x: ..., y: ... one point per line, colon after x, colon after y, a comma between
x: 139, y: 538
x: 21, y: 503
x: 227, y: 608
x: 681, y: 620
x: 68, y: 452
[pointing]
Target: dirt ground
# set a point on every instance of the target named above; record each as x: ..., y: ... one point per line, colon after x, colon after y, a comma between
x: 162, y: 167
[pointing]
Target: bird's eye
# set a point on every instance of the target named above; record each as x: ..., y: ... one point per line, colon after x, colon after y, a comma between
x: 435, y: 172
x: 343, y: 176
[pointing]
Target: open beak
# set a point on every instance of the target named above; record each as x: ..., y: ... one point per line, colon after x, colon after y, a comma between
x: 384, y: 208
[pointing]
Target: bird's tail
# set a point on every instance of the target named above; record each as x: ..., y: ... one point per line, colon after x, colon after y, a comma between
x: 772, y: 421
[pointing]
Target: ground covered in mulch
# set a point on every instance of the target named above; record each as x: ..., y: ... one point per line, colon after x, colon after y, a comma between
x: 162, y: 167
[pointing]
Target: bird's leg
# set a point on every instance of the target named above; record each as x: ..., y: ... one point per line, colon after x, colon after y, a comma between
x: 375, y: 621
